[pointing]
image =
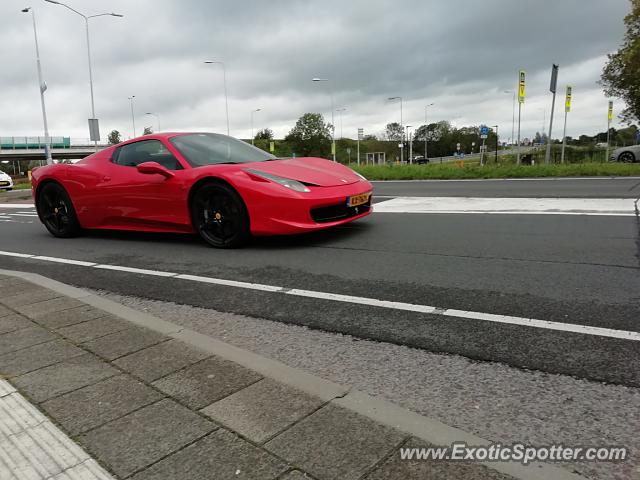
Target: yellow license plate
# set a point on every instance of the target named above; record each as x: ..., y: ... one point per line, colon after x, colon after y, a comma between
x: 356, y: 200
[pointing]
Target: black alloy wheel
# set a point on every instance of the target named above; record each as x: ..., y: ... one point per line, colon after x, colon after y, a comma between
x: 56, y: 211
x: 220, y: 216
x: 627, y: 157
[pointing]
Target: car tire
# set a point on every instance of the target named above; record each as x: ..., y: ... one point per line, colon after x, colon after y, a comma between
x: 220, y: 216
x: 56, y: 211
x: 627, y: 157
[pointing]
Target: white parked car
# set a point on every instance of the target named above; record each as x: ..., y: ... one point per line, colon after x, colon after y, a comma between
x: 6, y: 183
x: 628, y: 154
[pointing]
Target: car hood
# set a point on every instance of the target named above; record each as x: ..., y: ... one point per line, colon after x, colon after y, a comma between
x: 310, y: 170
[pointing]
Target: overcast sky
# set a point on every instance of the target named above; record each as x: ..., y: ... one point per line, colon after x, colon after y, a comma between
x: 460, y: 55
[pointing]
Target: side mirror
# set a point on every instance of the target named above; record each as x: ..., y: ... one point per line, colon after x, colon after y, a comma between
x: 150, y: 168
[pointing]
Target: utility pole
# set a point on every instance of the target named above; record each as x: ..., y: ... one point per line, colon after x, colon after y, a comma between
x: 567, y: 109
x: 552, y: 88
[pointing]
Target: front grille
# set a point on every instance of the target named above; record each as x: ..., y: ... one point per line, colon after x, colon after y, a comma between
x: 334, y: 213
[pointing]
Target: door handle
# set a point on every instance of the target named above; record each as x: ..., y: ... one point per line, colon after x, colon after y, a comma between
x: 106, y: 178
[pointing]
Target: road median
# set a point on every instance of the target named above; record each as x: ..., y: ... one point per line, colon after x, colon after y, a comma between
x: 464, y: 170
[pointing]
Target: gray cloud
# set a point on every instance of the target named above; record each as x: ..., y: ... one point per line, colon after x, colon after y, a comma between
x: 460, y: 54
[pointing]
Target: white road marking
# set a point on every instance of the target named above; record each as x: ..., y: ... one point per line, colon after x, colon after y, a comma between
x: 374, y: 302
x: 231, y: 283
x: 67, y: 261
x: 17, y: 205
x: 16, y: 254
x: 142, y: 271
x: 23, y: 214
x: 515, y: 206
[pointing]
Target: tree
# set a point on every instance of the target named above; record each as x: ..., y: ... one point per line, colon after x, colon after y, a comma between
x: 114, y: 137
x: 620, y: 77
x: 394, y: 132
x: 264, y: 134
x: 147, y: 131
x: 310, y: 136
x: 370, y: 136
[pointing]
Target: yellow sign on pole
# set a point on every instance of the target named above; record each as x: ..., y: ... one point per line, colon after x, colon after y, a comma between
x: 272, y: 147
x: 333, y: 149
x: 522, y: 86
x: 610, y: 113
x: 567, y: 102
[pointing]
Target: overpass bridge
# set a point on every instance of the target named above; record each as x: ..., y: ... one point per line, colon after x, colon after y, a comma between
x: 17, y: 149
x: 75, y: 152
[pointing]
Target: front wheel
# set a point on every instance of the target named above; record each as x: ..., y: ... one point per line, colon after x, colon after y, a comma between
x: 220, y: 216
x: 56, y: 211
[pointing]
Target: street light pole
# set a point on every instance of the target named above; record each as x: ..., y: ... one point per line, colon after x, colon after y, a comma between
x: 410, y: 143
x: 341, y: 109
x: 224, y: 78
x: 333, y: 125
x: 252, y: 112
x: 86, y: 23
x: 401, y: 128
x: 496, y: 127
x: 426, y: 131
x: 513, y: 115
x: 43, y: 87
x: 157, y: 118
x: 133, y: 118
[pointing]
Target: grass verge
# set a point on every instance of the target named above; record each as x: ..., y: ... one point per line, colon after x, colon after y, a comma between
x: 452, y: 171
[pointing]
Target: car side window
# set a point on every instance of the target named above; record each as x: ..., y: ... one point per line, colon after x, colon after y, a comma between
x: 133, y: 154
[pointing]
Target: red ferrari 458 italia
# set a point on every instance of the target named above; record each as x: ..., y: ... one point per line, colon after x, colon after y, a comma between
x: 222, y: 188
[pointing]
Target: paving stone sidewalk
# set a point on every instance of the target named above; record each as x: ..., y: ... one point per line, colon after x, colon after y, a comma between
x: 150, y: 407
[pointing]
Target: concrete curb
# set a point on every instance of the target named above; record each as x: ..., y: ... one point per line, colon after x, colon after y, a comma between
x: 15, y: 195
x: 381, y: 411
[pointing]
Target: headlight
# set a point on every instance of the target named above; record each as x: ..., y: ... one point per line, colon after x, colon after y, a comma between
x: 361, y: 176
x: 285, y: 182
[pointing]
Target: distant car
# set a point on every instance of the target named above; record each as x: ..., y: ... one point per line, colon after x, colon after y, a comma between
x: 420, y: 160
x: 217, y: 186
x: 628, y: 154
x: 6, y: 183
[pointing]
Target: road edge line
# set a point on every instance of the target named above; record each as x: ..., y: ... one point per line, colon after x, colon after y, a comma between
x: 376, y: 409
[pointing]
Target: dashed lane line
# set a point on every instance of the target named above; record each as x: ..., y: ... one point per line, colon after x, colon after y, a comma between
x: 336, y: 297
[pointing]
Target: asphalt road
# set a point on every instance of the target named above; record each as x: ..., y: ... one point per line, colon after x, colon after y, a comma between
x: 618, y: 187
x: 580, y: 270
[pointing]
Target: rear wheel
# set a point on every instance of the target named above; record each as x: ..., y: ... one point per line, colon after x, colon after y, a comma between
x: 56, y: 211
x: 220, y: 216
x: 627, y: 157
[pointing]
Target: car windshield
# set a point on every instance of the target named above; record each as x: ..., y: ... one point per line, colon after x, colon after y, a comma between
x: 200, y: 149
